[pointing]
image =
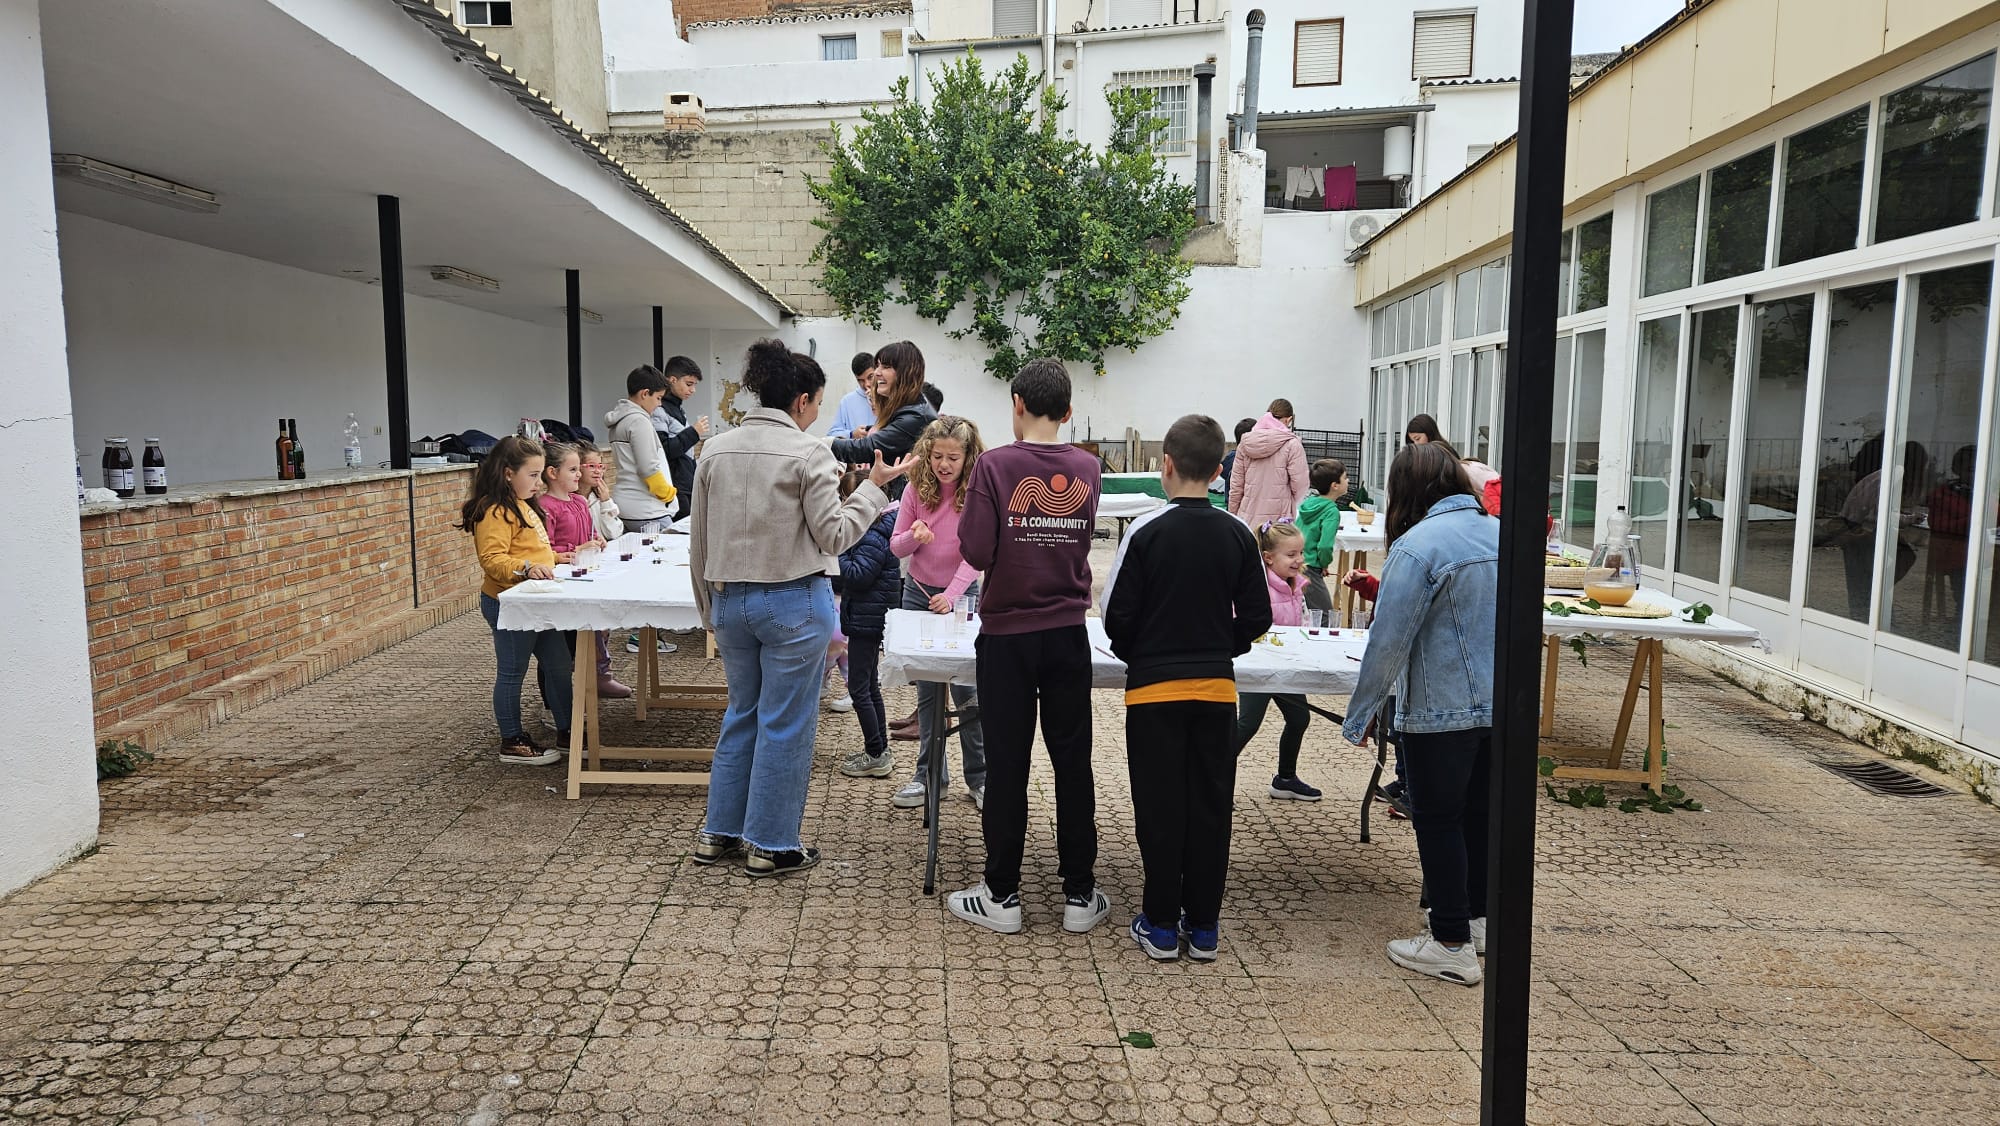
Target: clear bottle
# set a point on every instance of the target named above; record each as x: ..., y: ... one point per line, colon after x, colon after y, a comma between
x: 351, y: 452
x: 1555, y: 544
x: 153, y: 469
x: 1618, y: 527
x: 118, y: 475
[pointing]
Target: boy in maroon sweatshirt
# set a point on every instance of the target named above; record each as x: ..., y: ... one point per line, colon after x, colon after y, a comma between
x: 1030, y: 509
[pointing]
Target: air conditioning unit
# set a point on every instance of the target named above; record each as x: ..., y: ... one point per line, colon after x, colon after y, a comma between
x: 1364, y: 225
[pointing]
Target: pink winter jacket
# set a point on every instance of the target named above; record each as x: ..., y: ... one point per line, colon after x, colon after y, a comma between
x: 1288, y: 599
x: 1268, y: 479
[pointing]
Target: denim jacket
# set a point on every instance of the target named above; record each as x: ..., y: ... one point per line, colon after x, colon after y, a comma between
x: 1434, y: 625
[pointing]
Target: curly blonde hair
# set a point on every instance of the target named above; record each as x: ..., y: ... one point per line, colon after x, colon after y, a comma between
x: 949, y: 426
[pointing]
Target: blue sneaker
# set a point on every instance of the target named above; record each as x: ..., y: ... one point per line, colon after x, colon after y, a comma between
x: 1201, y: 941
x: 1161, y: 944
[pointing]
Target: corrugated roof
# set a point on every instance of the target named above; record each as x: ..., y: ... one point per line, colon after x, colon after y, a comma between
x: 1470, y: 82
x: 859, y: 11
x: 467, y: 49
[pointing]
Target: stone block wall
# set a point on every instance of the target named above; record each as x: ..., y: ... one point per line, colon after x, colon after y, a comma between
x: 201, y: 607
x: 747, y: 192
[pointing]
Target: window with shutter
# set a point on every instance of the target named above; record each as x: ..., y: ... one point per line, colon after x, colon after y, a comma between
x: 1015, y: 18
x: 892, y: 42
x: 1316, y: 52
x: 1443, y: 46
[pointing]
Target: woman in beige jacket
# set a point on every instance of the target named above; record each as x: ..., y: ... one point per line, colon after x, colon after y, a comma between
x: 767, y: 528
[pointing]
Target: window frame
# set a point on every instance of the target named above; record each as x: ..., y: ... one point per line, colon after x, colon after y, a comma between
x: 465, y: 13
x: 1471, y: 41
x: 853, y: 42
x: 1340, y: 56
x: 1158, y: 80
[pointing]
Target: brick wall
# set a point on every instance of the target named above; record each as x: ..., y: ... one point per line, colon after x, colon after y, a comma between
x: 190, y: 604
x: 747, y: 193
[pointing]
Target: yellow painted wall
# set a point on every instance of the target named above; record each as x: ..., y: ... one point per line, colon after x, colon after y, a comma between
x: 1727, y: 69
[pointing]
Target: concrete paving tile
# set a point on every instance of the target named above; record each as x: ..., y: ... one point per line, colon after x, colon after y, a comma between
x: 862, y: 1002
x: 660, y: 1079
x: 1607, y: 953
x: 1612, y: 1088
x: 1782, y: 958
x: 712, y: 936
x: 1753, y: 1020
x: 833, y: 937
x: 1390, y: 1088
x: 343, y: 999
x: 690, y: 1002
x: 1556, y: 1022
x: 546, y: 931
x: 87, y: 1081
x: 994, y: 1083
x: 1202, y: 1012
x: 855, y: 1083
x: 1321, y: 1016
x: 548, y: 997
x: 1187, y: 1085
x: 1011, y: 1007
x: 1964, y: 1017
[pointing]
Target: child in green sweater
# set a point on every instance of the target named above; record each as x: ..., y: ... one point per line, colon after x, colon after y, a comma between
x: 1319, y: 519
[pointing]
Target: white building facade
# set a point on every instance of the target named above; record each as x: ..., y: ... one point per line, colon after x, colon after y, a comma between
x: 1777, y: 341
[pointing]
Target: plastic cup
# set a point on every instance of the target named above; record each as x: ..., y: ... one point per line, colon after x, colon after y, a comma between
x: 961, y: 609
x: 927, y: 630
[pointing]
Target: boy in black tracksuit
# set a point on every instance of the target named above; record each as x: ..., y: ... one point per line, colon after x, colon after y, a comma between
x: 678, y: 436
x: 1185, y: 596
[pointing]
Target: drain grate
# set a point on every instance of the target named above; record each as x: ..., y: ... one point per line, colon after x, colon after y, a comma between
x: 1881, y: 778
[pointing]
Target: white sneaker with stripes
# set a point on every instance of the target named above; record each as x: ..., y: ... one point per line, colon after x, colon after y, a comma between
x: 977, y: 906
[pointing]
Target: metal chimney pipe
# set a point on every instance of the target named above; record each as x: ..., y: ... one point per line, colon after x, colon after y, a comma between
x: 1253, y: 66
x: 1204, y: 140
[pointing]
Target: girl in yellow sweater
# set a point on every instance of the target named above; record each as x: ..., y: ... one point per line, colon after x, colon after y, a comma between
x: 513, y: 544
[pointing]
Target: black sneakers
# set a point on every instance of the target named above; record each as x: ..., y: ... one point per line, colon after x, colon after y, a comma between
x: 713, y: 848
x: 763, y: 862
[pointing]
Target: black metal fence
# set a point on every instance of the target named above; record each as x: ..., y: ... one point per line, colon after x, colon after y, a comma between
x: 1342, y: 444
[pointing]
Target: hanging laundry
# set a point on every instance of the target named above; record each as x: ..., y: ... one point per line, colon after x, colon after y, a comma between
x: 1343, y: 192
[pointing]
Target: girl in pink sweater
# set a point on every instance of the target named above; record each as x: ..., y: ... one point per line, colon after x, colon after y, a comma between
x: 935, y: 577
x: 1284, y: 549
x: 572, y: 526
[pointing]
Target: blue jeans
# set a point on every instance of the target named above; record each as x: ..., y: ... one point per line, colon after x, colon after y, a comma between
x: 971, y: 733
x: 772, y: 638
x: 511, y: 650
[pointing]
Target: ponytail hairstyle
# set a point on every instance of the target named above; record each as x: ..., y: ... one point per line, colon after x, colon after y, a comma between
x: 1274, y: 533
x: 1422, y: 475
x: 778, y: 376
x: 553, y: 454
x: 490, y: 489
x: 907, y: 362
x: 946, y: 427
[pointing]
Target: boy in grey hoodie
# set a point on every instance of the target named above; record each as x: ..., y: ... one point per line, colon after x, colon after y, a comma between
x: 644, y: 494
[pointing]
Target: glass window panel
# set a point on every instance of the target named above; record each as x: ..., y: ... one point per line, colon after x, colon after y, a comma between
x: 1463, y: 414
x: 837, y: 48
x: 1586, y: 413
x: 1564, y: 270
x: 1934, y: 152
x: 1383, y: 426
x: 1771, y: 430
x: 1593, y: 264
x: 1657, y: 378
x: 1434, y: 326
x: 1485, y: 378
x: 1853, y: 409
x: 1739, y: 217
x: 1945, y: 320
x: 1559, y: 427
x: 1376, y: 319
x: 1493, y: 297
x: 1985, y: 548
x: 1705, y: 444
x: 1465, y: 310
x: 1670, y: 216
x: 1822, y: 200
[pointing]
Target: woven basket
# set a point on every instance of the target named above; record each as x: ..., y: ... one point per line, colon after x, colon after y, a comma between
x: 1563, y: 578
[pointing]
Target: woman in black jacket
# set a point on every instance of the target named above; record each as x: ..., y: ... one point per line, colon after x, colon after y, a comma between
x: 870, y: 585
x: 901, y: 412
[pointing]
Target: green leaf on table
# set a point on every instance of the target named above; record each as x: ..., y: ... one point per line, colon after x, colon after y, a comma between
x: 1591, y: 604
x: 1559, y: 609
x: 1697, y: 612
x: 1576, y: 646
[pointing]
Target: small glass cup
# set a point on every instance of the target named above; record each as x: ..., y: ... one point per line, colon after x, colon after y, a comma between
x: 927, y: 630
x: 1315, y: 621
x: 961, y: 609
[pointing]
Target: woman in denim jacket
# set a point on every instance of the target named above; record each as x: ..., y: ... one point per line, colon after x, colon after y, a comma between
x: 1433, y: 632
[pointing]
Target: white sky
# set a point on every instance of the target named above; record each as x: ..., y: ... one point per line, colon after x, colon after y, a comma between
x: 1608, y: 25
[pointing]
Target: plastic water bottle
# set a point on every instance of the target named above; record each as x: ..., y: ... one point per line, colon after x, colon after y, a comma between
x: 1618, y: 527
x: 352, y: 453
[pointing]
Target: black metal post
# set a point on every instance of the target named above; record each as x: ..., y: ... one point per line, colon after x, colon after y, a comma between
x: 572, y: 284
x: 395, y: 330
x: 659, y: 337
x: 1517, y: 643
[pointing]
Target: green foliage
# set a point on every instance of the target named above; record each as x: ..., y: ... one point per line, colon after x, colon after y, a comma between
x: 1137, y: 1039
x: 117, y: 758
x: 977, y: 199
x: 1698, y: 612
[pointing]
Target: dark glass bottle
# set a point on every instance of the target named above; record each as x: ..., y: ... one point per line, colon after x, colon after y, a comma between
x: 284, y: 446
x: 298, y: 454
x: 153, y: 468
x: 118, y: 476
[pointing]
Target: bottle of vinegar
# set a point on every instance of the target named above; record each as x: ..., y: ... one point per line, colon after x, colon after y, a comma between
x: 153, y: 468
x: 118, y: 476
x: 284, y: 447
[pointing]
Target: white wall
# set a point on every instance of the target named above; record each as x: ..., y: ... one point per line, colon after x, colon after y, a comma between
x: 205, y: 350
x: 750, y: 85
x: 1244, y: 337
x: 1465, y: 116
x: 640, y: 35
x: 48, y: 806
x: 1375, y: 50
x: 790, y: 42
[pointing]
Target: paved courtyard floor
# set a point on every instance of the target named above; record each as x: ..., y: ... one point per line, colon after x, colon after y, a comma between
x: 339, y: 908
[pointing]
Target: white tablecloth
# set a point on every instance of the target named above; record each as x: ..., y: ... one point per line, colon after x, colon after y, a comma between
x: 1675, y: 627
x: 653, y: 588
x: 1124, y: 506
x: 1323, y: 665
x: 1355, y: 536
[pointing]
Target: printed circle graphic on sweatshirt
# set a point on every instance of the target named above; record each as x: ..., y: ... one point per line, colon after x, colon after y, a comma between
x: 1054, y: 496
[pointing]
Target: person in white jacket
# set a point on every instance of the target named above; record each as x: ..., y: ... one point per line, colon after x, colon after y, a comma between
x: 644, y: 494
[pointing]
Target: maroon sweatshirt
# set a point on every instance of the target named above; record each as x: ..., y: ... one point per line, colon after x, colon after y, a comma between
x: 1029, y: 513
